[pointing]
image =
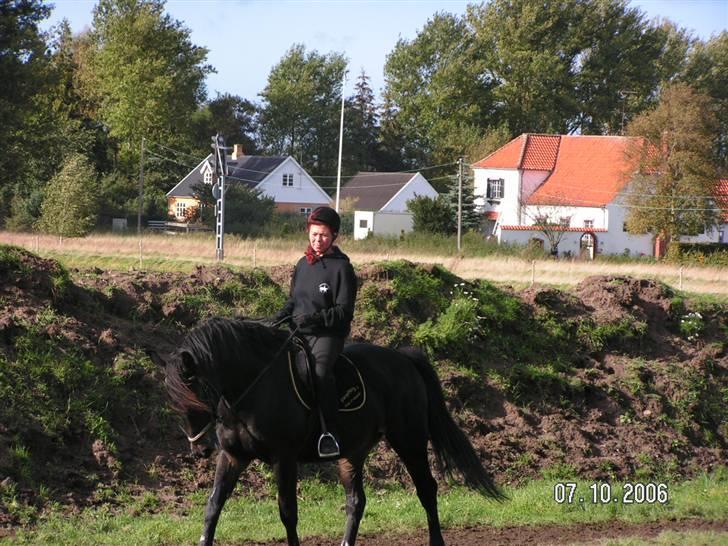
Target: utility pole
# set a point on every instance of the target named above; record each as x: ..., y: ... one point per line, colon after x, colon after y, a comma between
x: 341, y: 141
x: 460, y: 203
x: 219, y: 161
x: 141, y: 190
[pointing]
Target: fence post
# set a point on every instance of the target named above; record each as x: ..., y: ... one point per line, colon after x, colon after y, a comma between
x: 255, y: 254
x: 533, y: 272
x: 140, y: 253
x: 681, y: 278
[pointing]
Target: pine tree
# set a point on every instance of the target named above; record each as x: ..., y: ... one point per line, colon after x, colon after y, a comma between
x: 362, y: 128
x: 471, y: 218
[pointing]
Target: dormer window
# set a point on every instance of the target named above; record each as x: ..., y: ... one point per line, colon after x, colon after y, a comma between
x: 208, y: 177
x: 288, y: 180
x: 495, y: 189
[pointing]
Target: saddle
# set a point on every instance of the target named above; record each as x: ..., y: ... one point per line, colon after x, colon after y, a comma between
x: 349, y: 383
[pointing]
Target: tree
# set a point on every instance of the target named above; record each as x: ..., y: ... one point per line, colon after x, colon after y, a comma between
x: 361, y: 129
x: 671, y: 192
x: 247, y: 211
x: 435, y: 100
x: 70, y: 205
x: 146, y: 76
x: 301, y: 106
x: 432, y: 215
x: 23, y: 64
x: 233, y: 117
x: 470, y: 218
x: 707, y: 72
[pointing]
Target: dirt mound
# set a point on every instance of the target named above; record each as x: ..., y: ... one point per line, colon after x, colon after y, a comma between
x: 598, y: 381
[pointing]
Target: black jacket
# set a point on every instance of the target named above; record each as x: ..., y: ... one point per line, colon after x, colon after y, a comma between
x: 325, y: 291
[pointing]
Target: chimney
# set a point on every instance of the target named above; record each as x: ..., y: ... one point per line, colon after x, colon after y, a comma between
x: 237, y: 151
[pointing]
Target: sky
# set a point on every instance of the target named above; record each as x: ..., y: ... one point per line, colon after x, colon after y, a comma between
x: 246, y: 38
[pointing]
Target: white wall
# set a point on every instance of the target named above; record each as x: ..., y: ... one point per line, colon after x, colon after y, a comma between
x: 508, y: 206
x: 578, y: 215
x: 363, y: 223
x: 304, y: 189
x: 418, y: 186
x: 381, y: 223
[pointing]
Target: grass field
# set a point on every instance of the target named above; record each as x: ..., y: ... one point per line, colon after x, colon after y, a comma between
x: 146, y: 521
x: 184, y: 252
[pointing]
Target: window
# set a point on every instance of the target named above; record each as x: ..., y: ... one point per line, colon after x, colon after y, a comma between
x: 304, y: 210
x: 363, y: 223
x: 624, y: 227
x: 589, y: 224
x: 564, y: 221
x: 495, y: 188
x: 541, y: 220
x: 208, y: 177
x: 288, y: 180
x: 181, y: 208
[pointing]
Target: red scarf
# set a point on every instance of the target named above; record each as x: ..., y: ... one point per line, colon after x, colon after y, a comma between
x: 311, y: 257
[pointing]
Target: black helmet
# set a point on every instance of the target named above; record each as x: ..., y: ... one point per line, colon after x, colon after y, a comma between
x: 327, y: 216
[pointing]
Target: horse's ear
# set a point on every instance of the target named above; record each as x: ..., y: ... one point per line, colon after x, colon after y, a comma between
x: 154, y: 357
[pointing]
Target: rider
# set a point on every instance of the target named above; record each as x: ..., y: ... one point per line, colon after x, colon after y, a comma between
x: 321, y: 306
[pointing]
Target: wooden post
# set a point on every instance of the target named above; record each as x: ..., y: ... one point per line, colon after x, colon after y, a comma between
x: 255, y: 254
x: 533, y: 272
x: 681, y: 278
x: 140, y: 253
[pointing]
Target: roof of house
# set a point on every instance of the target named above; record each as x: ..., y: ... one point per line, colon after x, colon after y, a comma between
x: 374, y: 190
x: 721, y: 198
x: 586, y: 171
x: 528, y: 151
x: 249, y: 170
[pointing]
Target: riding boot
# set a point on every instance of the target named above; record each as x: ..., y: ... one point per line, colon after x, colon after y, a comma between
x: 328, y: 445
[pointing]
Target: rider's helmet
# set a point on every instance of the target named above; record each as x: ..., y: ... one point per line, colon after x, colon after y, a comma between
x: 325, y: 216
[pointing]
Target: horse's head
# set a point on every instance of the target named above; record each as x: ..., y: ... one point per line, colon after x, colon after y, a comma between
x: 190, y: 397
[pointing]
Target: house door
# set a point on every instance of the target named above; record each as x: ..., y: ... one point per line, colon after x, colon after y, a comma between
x: 587, y: 246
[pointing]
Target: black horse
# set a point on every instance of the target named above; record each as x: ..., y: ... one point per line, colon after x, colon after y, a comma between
x: 233, y: 374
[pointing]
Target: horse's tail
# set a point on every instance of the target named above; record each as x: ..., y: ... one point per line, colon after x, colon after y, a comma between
x: 452, y: 448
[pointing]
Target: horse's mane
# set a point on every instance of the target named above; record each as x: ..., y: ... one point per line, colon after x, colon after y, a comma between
x: 217, y: 346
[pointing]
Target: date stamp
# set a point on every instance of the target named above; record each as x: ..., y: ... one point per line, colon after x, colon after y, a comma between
x: 606, y: 493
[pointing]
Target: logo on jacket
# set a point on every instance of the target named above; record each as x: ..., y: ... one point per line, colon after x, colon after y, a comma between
x: 324, y: 288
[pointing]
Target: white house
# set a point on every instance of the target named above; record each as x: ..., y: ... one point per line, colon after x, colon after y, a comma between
x: 279, y: 177
x: 574, y: 184
x: 380, y: 201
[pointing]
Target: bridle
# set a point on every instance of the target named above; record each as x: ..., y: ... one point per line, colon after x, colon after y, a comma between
x: 215, y: 419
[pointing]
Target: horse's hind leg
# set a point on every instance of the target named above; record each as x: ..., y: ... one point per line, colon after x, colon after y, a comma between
x: 351, y: 476
x: 227, y: 473
x: 287, y: 477
x: 414, y: 457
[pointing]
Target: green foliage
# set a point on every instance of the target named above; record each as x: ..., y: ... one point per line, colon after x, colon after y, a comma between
x: 612, y: 335
x: 432, y: 215
x: 714, y: 254
x: 145, y: 75
x: 672, y: 193
x: 691, y: 326
x: 70, y: 205
x: 301, y: 101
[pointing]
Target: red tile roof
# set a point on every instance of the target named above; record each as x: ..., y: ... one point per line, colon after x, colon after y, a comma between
x: 589, y: 172
x: 537, y: 152
x: 721, y: 198
x: 555, y: 228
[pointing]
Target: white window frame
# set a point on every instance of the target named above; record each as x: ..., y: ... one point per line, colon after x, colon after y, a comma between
x: 180, y: 208
x: 588, y: 223
x: 208, y: 177
x: 288, y: 180
x: 305, y: 210
x: 495, y: 188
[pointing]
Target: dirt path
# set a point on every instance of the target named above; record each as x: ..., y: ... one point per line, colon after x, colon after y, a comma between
x: 531, y: 535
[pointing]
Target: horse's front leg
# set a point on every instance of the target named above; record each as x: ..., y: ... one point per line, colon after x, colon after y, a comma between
x: 287, y: 476
x: 226, y: 476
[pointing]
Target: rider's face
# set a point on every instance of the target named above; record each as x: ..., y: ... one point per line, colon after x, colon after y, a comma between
x: 320, y: 238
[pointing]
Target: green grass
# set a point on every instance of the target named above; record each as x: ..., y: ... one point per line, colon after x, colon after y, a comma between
x: 144, y: 521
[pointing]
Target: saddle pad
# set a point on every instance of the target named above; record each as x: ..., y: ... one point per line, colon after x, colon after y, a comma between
x: 349, y: 383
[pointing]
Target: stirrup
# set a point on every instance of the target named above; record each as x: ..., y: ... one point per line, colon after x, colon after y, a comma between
x: 328, y: 446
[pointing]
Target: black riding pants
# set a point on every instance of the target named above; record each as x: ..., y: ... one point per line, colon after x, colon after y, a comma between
x: 325, y: 350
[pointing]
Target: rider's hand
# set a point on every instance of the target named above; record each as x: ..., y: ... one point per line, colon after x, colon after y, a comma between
x: 307, y: 320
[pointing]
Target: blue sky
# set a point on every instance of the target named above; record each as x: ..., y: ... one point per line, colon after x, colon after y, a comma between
x: 247, y: 38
